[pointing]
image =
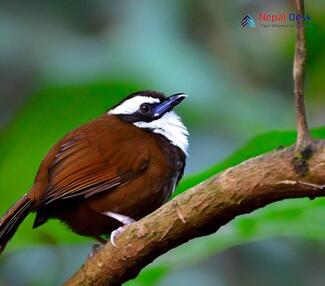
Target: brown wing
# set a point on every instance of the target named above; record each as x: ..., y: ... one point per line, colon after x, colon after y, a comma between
x: 85, y: 165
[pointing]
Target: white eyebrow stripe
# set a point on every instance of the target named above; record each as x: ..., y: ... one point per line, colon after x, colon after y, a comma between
x: 132, y: 105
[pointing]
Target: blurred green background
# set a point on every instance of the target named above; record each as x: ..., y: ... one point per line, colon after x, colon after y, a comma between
x: 63, y: 63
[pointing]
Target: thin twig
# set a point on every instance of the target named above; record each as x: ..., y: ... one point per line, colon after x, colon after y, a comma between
x: 303, y: 138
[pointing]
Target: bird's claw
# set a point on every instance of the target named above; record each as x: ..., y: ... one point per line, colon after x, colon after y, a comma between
x: 115, y: 234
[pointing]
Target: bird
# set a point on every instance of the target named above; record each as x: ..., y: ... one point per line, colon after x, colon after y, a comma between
x: 110, y: 172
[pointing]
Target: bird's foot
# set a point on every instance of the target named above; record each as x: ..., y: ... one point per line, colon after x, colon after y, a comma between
x: 116, y: 233
x: 125, y: 220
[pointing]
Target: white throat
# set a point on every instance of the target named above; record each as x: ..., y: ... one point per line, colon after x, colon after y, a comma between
x: 171, y: 126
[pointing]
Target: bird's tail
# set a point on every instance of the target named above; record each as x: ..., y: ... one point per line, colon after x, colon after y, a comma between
x: 12, y: 219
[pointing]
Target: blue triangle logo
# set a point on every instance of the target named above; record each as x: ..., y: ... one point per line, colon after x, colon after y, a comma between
x: 248, y: 22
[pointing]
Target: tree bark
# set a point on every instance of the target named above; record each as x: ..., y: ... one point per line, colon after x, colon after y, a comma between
x: 299, y: 62
x: 203, y: 209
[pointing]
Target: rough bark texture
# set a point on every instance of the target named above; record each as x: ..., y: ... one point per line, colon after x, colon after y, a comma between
x: 204, y: 209
x: 299, y: 63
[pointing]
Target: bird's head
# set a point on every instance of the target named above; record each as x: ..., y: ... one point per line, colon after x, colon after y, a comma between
x: 153, y: 111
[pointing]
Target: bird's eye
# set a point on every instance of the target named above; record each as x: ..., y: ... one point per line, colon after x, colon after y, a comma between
x: 144, y: 108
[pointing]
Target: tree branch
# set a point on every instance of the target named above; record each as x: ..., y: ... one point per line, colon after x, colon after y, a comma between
x: 303, y: 138
x: 202, y: 210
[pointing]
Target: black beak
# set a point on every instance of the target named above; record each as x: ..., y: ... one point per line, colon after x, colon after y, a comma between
x: 168, y: 104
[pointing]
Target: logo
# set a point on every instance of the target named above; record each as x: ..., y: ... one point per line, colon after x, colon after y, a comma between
x: 283, y: 17
x: 275, y: 20
x: 248, y: 22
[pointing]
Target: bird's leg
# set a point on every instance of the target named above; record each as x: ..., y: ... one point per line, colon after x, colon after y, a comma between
x: 125, y: 220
